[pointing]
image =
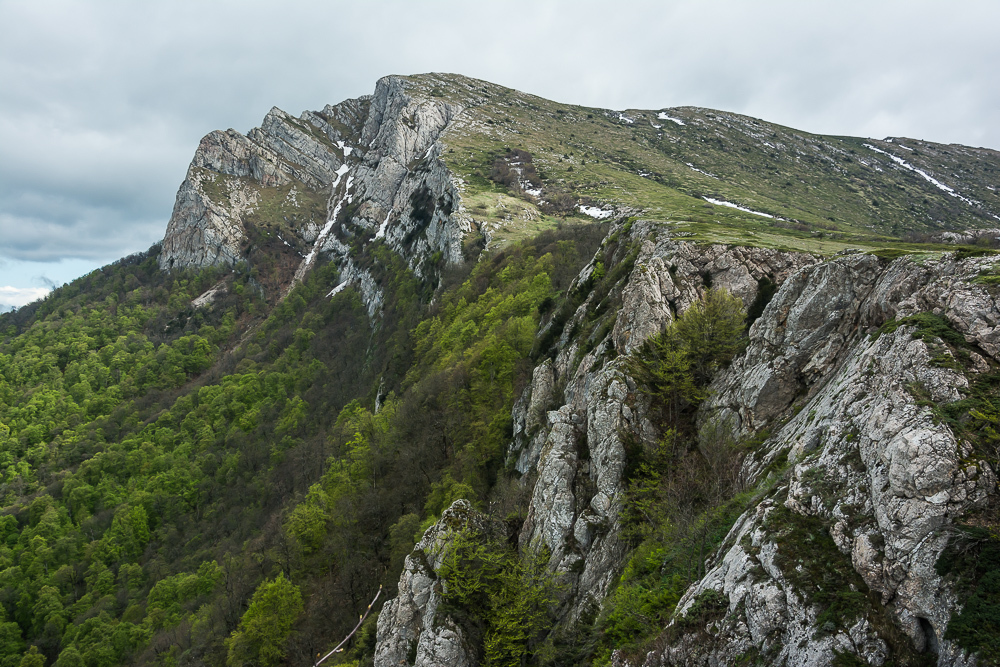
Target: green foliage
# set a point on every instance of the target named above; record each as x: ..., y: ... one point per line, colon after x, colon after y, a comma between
x: 928, y: 327
x: 811, y: 561
x: 266, y: 624
x: 710, y: 605
x: 972, y: 561
x: 663, y: 366
x: 158, y: 462
x: 675, y: 365
x: 307, y: 523
x: 32, y: 658
x: 128, y: 535
x: 444, y: 493
x: 684, y: 491
x: 713, y: 331
x: 504, y: 596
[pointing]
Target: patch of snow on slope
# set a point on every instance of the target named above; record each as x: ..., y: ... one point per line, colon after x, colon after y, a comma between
x: 923, y: 174
x: 289, y: 245
x: 380, y: 234
x: 307, y: 261
x: 595, y: 212
x: 700, y: 171
x: 719, y: 202
x: 347, y: 188
x: 622, y: 117
x: 337, y: 290
x: 344, y: 147
x: 341, y: 170
x: 663, y: 116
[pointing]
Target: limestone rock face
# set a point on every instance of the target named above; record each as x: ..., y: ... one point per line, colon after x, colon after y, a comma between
x: 410, y: 630
x: 230, y: 174
x: 374, y: 161
x: 576, y: 456
x: 880, y: 471
x: 402, y: 191
x: 872, y: 470
x: 669, y: 276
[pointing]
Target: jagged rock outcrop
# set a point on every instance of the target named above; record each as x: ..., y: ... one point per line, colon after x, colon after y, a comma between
x: 374, y: 162
x: 868, y: 463
x: 231, y: 175
x: 407, y: 193
x: 870, y: 470
x: 411, y: 631
x: 882, y: 476
x: 670, y: 275
x: 576, y: 457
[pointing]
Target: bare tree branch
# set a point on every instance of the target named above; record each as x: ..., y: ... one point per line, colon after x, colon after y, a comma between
x: 361, y: 620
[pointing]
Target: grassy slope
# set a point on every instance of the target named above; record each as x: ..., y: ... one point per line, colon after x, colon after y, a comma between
x: 834, y: 191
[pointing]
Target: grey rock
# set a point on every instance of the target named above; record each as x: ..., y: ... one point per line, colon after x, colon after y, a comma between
x: 576, y: 500
x: 207, y: 229
x: 380, y: 154
x: 409, y: 624
x: 880, y: 470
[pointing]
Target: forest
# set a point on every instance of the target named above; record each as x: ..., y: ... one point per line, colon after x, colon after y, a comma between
x: 232, y: 483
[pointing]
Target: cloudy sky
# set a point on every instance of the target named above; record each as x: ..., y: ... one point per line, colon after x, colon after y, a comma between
x: 102, y: 102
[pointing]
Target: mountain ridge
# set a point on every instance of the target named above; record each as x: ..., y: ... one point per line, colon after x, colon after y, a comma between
x: 462, y: 343
x: 450, y: 108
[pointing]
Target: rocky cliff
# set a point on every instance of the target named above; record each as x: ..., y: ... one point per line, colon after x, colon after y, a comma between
x: 873, y: 466
x: 860, y: 479
x: 363, y: 171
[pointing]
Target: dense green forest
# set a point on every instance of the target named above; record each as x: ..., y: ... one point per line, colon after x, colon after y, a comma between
x: 232, y: 483
x: 178, y: 479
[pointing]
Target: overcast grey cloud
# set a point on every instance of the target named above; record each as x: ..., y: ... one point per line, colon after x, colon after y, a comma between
x: 102, y: 103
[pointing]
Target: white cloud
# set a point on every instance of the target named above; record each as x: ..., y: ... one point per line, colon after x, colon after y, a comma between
x: 104, y: 102
x: 15, y: 297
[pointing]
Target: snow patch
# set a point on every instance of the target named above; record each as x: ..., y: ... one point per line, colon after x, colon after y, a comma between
x: 923, y: 174
x: 380, y: 234
x: 663, y: 116
x: 595, y: 212
x: 287, y: 243
x: 344, y: 147
x: 625, y: 119
x: 719, y: 202
x: 700, y: 171
x: 347, y: 188
x: 307, y: 261
x: 341, y: 170
x: 337, y: 290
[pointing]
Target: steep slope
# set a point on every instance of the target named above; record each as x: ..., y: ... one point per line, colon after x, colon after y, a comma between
x: 865, y: 390
x: 439, y: 340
